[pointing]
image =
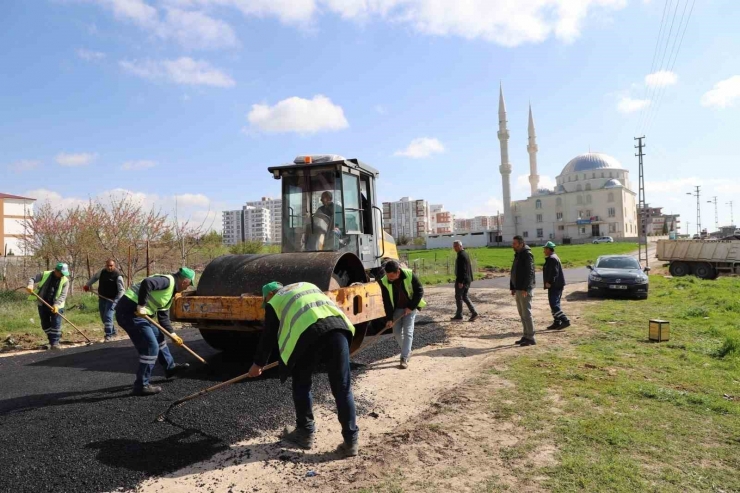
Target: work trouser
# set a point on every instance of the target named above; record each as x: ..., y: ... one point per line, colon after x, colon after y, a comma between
x: 524, y: 306
x: 106, y: 316
x: 553, y: 297
x: 403, y: 330
x: 51, y: 323
x: 333, y: 349
x: 149, y: 342
x: 461, y: 295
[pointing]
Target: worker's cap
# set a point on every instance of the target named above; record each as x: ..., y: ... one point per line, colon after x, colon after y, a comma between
x: 187, y: 274
x: 550, y: 245
x: 63, y: 268
x: 269, y: 288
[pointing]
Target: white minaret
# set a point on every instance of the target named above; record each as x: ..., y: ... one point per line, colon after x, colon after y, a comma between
x: 534, y: 178
x: 509, y: 229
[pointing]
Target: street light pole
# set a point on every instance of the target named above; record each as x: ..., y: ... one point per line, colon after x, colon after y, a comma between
x: 697, y: 194
x: 732, y: 219
x: 716, y: 214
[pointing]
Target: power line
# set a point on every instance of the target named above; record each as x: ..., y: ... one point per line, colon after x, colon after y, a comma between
x: 672, y: 63
x: 655, y: 53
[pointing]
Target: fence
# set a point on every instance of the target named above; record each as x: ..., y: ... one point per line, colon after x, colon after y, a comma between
x: 441, y: 264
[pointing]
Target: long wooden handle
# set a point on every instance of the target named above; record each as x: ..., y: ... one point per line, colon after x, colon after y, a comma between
x: 179, y: 343
x: 61, y: 315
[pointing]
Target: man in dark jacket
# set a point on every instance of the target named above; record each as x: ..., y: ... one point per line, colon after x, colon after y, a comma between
x: 306, y: 326
x: 402, y: 297
x: 554, y: 280
x: 522, y: 284
x: 110, y: 286
x: 463, y: 278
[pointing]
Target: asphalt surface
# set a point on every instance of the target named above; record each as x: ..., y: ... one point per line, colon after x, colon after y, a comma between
x: 68, y: 423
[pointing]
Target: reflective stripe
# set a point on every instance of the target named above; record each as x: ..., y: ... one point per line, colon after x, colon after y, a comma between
x: 304, y: 309
x: 289, y: 305
x: 147, y: 360
x: 159, y: 300
x: 163, y: 345
x: 407, y: 284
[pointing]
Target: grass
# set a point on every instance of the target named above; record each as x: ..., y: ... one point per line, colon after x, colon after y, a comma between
x: 635, y: 415
x: 19, y: 318
x: 438, y: 266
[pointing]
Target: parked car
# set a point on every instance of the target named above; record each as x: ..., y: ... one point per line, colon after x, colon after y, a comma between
x: 603, y: 239
x: 618, y: 275
x: 696, y: 237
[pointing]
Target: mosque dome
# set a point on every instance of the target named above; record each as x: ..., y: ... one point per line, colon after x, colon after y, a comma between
x: 612, y: 184
x: 589, y: 162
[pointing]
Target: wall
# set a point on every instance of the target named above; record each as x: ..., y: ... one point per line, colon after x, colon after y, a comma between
x: 469, y: 240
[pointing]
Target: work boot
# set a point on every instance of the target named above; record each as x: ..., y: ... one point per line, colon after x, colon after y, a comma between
x: 564, y: 324
x: 527, y: 342
x: 107, y: 338
x: 473, y: 317
x: 520, y: 341
x: 146, y: 390
x: 404, y: 364
x: 298, y: 436
x: 348, y: 449
x: 554, y: 325
x: 176, y: 368
x: 456, y: 317
x: 55, y: 347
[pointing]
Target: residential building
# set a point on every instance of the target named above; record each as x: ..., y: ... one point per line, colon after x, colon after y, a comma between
x: 440, y: 220
x: 655, y: 223
x: 233, y: 227
x: 478, y: 223
x: 407, y: 217
x: 275, y: 207
x: 14, y: 214
x: 257, y: 224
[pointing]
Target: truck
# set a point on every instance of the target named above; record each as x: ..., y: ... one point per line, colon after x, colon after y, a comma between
x: 702, y: 258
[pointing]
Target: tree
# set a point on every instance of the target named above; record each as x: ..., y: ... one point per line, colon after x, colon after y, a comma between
x: 404, y: 240
x: 665, y: 228
x: 247, y: 247
x: 419, y: 241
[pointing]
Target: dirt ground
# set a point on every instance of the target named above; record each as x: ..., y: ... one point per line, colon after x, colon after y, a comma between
x: 428, y: 430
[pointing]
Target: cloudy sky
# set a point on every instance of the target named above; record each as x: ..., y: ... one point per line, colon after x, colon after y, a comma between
x: 189, y: 101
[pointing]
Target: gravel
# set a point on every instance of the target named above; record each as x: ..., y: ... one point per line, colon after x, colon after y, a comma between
x: 68, y: 423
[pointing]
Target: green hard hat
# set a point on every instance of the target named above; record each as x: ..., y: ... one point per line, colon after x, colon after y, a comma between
x: 269, y: 288
x: 550, y: 245
x: 63, y: 268
x: 187, y: 274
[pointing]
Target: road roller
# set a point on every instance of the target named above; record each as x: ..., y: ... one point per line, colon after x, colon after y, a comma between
x: 333, y: 236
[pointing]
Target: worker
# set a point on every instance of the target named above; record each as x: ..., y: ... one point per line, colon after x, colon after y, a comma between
x: 110, y: 286
x: 153, y: 295
x: 308, y: 328
x: 331, y: 210
x: 402, y: 298
x: 52, y: 286
x: 554, y: 281
x: 463, y: 279
x: 522, y: 282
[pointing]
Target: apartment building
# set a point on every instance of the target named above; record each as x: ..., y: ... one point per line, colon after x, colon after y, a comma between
x: 406, y: 217
x: 440, y: 220
x: 14, y: 211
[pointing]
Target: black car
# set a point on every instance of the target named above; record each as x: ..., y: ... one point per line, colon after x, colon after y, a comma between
x: 618, y: 275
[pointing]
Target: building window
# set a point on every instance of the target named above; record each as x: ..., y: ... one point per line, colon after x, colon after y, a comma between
x: 539, y: 233
x: 559, y: 202
x: 538, y: 204
x: 539, y: 218
x: 559, y: 216
x: 611, y: 175
x: 584, y: 176
x: 516, y: 220
x: 588, y: 186
x: 588, y: 199
x: 612, y: 212
x: 593, y: 175
x: 583, y: 231
x: 588, y: 214
x: 579, y: 200
x: 561, y: 228
x: 579, y: 188
x: 612, y: 227
x: 602, y: 174
x: 611, y: 197
x: 525, y: 234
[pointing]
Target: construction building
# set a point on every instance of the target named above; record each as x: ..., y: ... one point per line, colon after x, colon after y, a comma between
x: 406, y: 218
x: 14, y: 212
x: 592, y: 196
x: 655, y: 223
x: 478, y: 223
x: 440, y: 220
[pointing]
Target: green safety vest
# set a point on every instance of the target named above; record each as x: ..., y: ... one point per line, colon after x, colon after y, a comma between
x: 44, y: 278
x: 157, y: 301
x: 406, y: 284
x: 298, y: 306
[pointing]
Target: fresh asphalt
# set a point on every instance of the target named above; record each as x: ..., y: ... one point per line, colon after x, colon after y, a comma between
x: 69, y: 424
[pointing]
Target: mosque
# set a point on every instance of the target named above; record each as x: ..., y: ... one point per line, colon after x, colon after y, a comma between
x: 592, y: 197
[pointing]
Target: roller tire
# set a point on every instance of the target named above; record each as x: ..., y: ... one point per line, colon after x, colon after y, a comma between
x: 231, y: 341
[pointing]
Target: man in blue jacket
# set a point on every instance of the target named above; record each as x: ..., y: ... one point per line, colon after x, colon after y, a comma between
x: 552, y: 275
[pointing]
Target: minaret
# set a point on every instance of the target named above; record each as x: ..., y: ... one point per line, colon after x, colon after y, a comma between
x: 534, y: 178
x: 509, y: 229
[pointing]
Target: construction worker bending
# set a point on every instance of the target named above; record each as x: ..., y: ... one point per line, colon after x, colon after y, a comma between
x: 110, y: 286
x: 402, y: 298
x: 153, y: 295
x: 52, y: 286
x: 308, y: 327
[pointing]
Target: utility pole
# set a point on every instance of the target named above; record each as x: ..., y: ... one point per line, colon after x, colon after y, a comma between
x: 697, y: 194
x: 732, y: 219
x: 642, y: 241
x: 716, y: 214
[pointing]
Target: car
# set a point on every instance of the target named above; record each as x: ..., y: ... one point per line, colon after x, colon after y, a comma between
x: 603, y: 239
x: 696, y: 237
x: 618, y: 275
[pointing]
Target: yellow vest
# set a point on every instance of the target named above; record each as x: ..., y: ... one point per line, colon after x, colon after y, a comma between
x: 44, y: 278
x: 157, y: 300
x: 406, y: 284
x: 298, y: 306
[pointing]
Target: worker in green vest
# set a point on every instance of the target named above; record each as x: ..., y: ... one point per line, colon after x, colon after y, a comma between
x: 309, y: 328
x: 52, y: 286
x: 152, y: 297
x: 403, y: 296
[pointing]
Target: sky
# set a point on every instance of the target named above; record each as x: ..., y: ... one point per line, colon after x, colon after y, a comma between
x: 188, y: 102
